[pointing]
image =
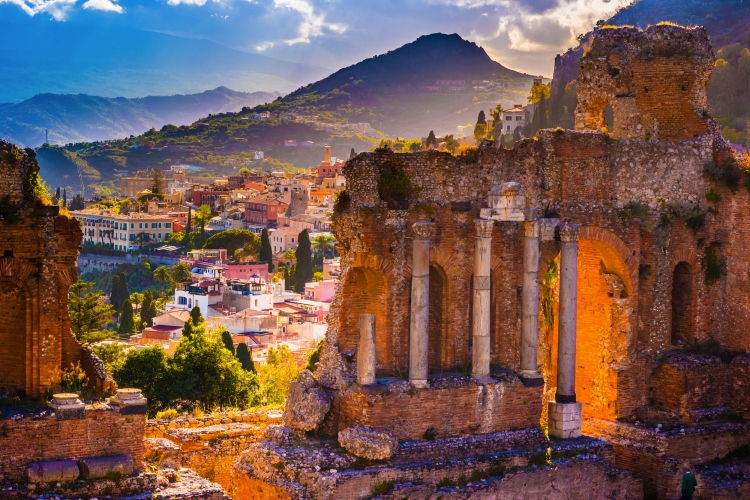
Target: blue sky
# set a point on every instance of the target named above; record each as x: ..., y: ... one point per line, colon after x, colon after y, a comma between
x: 522, y: 34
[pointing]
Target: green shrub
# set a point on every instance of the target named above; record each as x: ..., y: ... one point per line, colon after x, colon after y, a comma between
x: 383, y: 487
x: 394, y: 186
x: 170, y: 413
x: 712, y: 196
x: 446, y: 482
x: 638, y: 211
x: 314, y: 357
x: 342, y: 202
x: 713, y: 266
x: 729, y: 173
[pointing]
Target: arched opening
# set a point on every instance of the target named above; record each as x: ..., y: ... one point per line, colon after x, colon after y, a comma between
x: 365, y: 291
x: 682, y: 296
x: 609, y: 118
x: 438, y: 318
x: 12, y: 338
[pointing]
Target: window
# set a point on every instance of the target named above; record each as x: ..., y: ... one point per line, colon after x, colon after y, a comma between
x: 519, y: 118
x: 167, y: 224
x: 508, y: 128
x: 153, y: 225
x: 140, y: 225
x: 132, y: 225
x: 159, y: 235
x: 508, y: 118
x: 132, y: 237
x: 182, y: 301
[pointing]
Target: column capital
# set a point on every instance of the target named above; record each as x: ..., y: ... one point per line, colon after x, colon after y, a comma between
x: 484, y: 227
x: 569, y: 232
x: 531, y: 229
x: 531, y: 214
x: 422, y: 230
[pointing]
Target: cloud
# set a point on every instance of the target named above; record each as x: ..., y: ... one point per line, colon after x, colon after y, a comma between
x: 530, y: 35
x: 263, y: 46
x: 219, y: 16
x: 105, y: 5
x: 58, y: 9
x: 312, y: 25
x: 198, y: 3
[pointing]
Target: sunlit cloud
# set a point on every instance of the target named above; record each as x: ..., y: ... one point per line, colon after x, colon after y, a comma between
x: 105, y: 5
x: 312, y: 25
x: 58, y: 9
x: 262, y: 47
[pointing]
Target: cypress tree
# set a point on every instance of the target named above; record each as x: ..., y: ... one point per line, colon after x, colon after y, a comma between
x: 266, y: 254
x: 352, y: 154
x: 245, y: 357
x: 542, y: 110
x: 115, y: 297
x: 127, y: 322
x: 148, y: 308
x: 187, y: 330
x: 226, y: 338
x: 304, y: 262
x: 195, y: 316
x: 292, y: 277
x: 431, y: 140
x: 124, y: 293
x: 65, y: 198
x: 481, y: 119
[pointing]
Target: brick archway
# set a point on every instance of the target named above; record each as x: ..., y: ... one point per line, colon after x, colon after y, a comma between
x: 16, y: 338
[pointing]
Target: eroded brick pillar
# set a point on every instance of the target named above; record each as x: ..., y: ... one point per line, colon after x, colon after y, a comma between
x: 564, y: 411
x: 480, y: 325
x: 366, y: 350
x: 420, y: 304
x: 529, y: 374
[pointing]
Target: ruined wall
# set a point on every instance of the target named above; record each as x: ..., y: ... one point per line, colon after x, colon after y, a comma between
x: 655, y: 81
x: 42, y: 437
x: 37, y: 266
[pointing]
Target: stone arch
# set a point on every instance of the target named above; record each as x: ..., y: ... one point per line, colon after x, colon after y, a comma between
x: 15, y: 336
x: 438, y: 324
x: 683, y: 303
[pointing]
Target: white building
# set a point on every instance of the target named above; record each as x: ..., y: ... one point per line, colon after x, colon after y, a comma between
x: 516, y: 117
x: 283, y: 239
x: 202, y: 294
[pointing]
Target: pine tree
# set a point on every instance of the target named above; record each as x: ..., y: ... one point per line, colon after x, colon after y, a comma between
x: 266, y: 254
x: 481, y: 120
x: 148, y: 308
x: 226, y: 337
x: 304, y: 262
x: 157, y: 181
x: 195, y: 316
x: 188, y: 226
x: 352, y: 154
x: 245, y: 357
x: 126, y: 319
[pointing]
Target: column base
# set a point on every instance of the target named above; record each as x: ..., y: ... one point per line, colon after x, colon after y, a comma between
x: 420, y: 384
x: 564, y: 420
x: 531, y: 378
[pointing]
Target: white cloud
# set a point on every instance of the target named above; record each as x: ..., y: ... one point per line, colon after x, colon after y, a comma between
x: 313, y: 24
x: 58, y: 9
x: 219, y: 16
x: 199, y: 3
x: 263, y: 46
x: 105, y: 5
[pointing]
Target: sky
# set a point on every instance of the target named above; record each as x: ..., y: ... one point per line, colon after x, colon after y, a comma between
x: 524, y: 35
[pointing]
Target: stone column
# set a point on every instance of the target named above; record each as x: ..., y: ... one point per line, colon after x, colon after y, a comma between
x: 366, y: 350
x: 480, y: 325
x: 565, y: 412
x: 420, y: 304
x: 530, y: 301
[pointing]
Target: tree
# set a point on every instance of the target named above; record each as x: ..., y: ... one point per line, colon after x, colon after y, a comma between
x: 495, y: 113
x: 275, y: 376
x: 314, y: 357
x: 481, y: 120
x: 147, y: 370
x: 290, y: 254
x: 148, y: 310
x: 157, y: 181
x: 266, y: 254
x: 323, y: 245
x: 195, y: 315
x: 202, y: 216
x: 352, y: 154
x: 480, y: 130
x: 163, y: 275
x: 188, y: 329
x: 226, y: 338
x: 287, y: 279
x: 245, y: 357
x: 127, y: 324
x: 318, y: 276
x: 304, y: 262
x: 233, y: 240
x: 88, y: 314
x: 77, y: 203
x: 65, y: 198
x: 180, y: 272
x: 450, y: 143
x: 114, y: 295
x: 136, y: 299
x: 188, y: 225
x: 431, y: 140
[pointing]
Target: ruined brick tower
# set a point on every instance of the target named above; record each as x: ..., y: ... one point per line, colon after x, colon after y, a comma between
x: 38, y: 252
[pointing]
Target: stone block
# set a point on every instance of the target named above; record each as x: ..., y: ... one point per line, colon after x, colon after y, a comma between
x: 368, y: 443
x: 51, y: 472
x: 100, y: 467
x: 164, y: 452
x: 564, y: 420
x: 67, y: 406
x: 130, y: 402
x: 307, y: 403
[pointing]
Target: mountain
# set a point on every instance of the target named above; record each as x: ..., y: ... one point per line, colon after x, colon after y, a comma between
x: 728, y: 25
x: 111, y: 61
x: 84, y: 118
x: 397, y: 92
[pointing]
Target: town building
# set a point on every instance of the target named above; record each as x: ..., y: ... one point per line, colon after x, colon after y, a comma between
x: 283, y: 239
x: 264, y: 211
x: 330, y: 166
x: 122, y: 232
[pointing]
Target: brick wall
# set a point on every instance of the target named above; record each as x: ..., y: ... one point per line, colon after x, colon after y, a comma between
x: 458, y: 408
x: 41, y: 437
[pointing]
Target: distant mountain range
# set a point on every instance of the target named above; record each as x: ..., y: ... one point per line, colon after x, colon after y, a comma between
x: 83, y: 118
x: 110, y: 61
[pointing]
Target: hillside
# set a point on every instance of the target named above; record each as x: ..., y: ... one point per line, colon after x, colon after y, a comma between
x: 111, y: 61
x: 84, y: 118
x: 727, y: 23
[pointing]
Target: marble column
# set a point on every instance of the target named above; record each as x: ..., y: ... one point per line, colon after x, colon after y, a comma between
x: 565, y: 412
x: 529, y: 374
x: 480, y: 325
x: 366, y: 350
x: 420, y: 304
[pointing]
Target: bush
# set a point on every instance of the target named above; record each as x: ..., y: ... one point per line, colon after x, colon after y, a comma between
x: 314, y: 357
x: 729, y: 173
x: 383, y: 487
x: 171, y: 413
x: 394, y: 186
x: 74, y: 379
x: 636, y: 210
x: 275, y: 376
x: 712, y: 265
x: 342, y: 202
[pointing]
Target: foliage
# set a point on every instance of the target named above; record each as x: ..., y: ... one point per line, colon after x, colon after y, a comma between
x: 431, y: 139
x: 74, y: 379
x: 147, y: 370
x: 127, y: 322
x: 712, y: 265
x: 636, y: 210
x: 694, y: 216
x: 180, y: 273
x: 163, y: 275
x: 88, y: 313
x: 34, y: 189
x: 245, y: 357
x: 468, y: 153
x: 314, y: 357
x: 275, y: 376
x: 729, y: 173
x: 119, y: 292
x: 318, y: 276
x: 539, y: 91
x: 304, y: 262
x: 394, y: 186
x: 341, y: 203
x: 226, y: 339
x: 547, y: 294
x: 111, y: 354
x: 202, y: 216
x: 157, y: 181
x: 235, y: 239
x: 480, y: 131
x: 266, y: 254
x: 171, y: 413
x: 712, y: 196
x: 195, y: 315
x: 383, y: 487
x: 145, y: 197
x: 148, y: 309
